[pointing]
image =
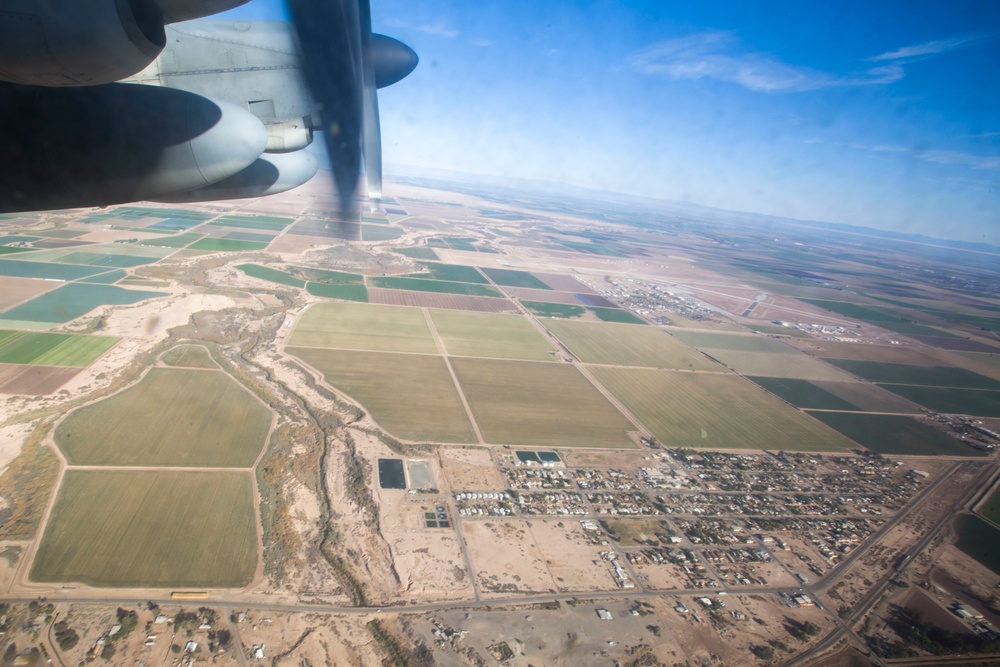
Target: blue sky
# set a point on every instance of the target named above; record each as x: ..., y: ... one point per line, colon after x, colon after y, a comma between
x: 878, y: 114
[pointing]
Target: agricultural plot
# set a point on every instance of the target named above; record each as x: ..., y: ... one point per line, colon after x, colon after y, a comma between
x: 175, y: 241
x: 893, y: 434
x: 105, y: 259
x: 979, y: 540
x: 150, y: 529
x: 709, y: 410
x: 380, y: 233
x: 364, y: 327
x: 110, y: 278
x: 439, y: 286
x: 490, y: 335
x: 357, y: 293
x: 627, y: 345
x: 951, y: 400
x: 34, y: 380
x: 11, y: 250
x: 249, y: 236
x: 226, y: 245
x: 991, y: 508
x: 931, y: 376
x: 28, y: 269
x: 253, y: 222
x: 328, y: 277
x: 410, y: 395
x: 735, y: 342
x: 188, y: 356
x: 512, y: 278
x: 71, y: 301
x: 544, y: 296
x: 869, y: 397
x: 270, y: 275
x: 419, y: 252
x: 457, y: 273
x: 563, y: 283
x: 48, y: 349
x: 16, y: 290
x: 539, y: 404
x: 782, y: 365
x: 188, y: 417
x: 803, y: 394
x: 482, y: 304
x: 543, y: 309
x: 616, y: 315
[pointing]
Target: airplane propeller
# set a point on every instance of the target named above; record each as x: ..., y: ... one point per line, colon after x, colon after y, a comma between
x: 344, y: 64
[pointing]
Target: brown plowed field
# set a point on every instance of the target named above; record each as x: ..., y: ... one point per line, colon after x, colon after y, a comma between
x: 33, y: 380
x: 548, y: 296
x: 399, y: 297
x: 16, y: 290
x: 564, y: 283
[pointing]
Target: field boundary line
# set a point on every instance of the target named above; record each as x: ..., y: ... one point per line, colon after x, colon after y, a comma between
x: 451, y: 371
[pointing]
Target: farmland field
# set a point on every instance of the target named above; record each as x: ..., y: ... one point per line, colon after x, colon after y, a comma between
x: 979, y: 540
x: 105, y: 259
x: 33, y: 380
x: 893, y: 434
x: 991, y: 508
x: 270, y: 275
x: 545, y: 296
x: 188, y: 356
x: 364, y: 327
x: 563, y: 283
x: 357, y: 293
x: 452, y: 272
x: 803, y: 394
x: 709, y: 410
x: 869, y: 397
x: 226, y: 245
x: 150, y: 529
x: 512, y: 278
x: 176, y: 241
x: 544, y: 309
x: 110, y: 278
x: 932, y: 376
x: 380, y: 233
x: 628, y: 345
x: 951, y: 400
x: 771, y: 364
x: 254, y: 222
x: 419, y: 252
x: 735, y: 342
x: 73, y: 300
x: 615, y: 315
x: 16, y: 290
x: 47, y: 349
x: 490, y: 335
x: 539, y: 404
x: 440, y: 286
x: 410, y: 395
x: 187, y: 418
x: 329, y: 277
x: 27, y: 269
x: 397, y: 297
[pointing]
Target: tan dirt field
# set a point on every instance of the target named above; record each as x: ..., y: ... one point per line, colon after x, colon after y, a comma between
x: 19, y: 290
x: 399, y: 297
x: 470, y: 469
x: 505, y: 558
x: 575, y: 564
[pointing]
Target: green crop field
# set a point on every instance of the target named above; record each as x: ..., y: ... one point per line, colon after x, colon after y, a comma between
x: 419, y: 252
x: 357, y: 293
x: 105, y: 259
x: 456, y: 273
x: 511, y: 278
x: 803, y: 394
x: 439, y: 286
x: 11, y: 250
x: 932, y: 376
x: 539, y: 404
x: 254, y: 222
x: 48, y: 349
x: 150, y: 529
x: 894, y: 434
x: 544, y: 309
x: 352, y: 326
x: 771, y: 364
x: 951, y: 400
x: 26, y: 269
x: 736, y: 342
x: 73, y: 300
x: 710, y: 410
x: 270, y: 275
x: 108, y: 278
x: 380, y: 233
x: 188, y: 356
x: 628, y: 345
x: 176, y: 241
x: 171, y: 417
x: 226, y: 245
x: 616, y: 315
x: 328, y: 277
x: 410, y: 395
x: 979, y: 539
x: 490, y: 335
x: 991, y: 508
x: 869, y: 397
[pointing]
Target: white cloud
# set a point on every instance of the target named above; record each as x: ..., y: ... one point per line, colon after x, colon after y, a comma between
x: 438, y: 28
x: 949, y: 157
x: 718, y: 55
x: 926, y: 49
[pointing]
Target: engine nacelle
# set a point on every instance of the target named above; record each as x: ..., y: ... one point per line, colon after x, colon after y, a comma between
x: 288, y: 137
x: 117, y: 143
x: 268, y: 175
x: 87, y: 42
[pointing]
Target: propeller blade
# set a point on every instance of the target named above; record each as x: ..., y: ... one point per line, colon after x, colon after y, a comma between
x: 330, y: 40
x: 372, y: 132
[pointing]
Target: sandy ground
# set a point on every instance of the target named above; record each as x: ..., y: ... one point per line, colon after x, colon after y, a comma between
x: 574, y: 563
x: 506, y: 559
x: 470, y: 470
